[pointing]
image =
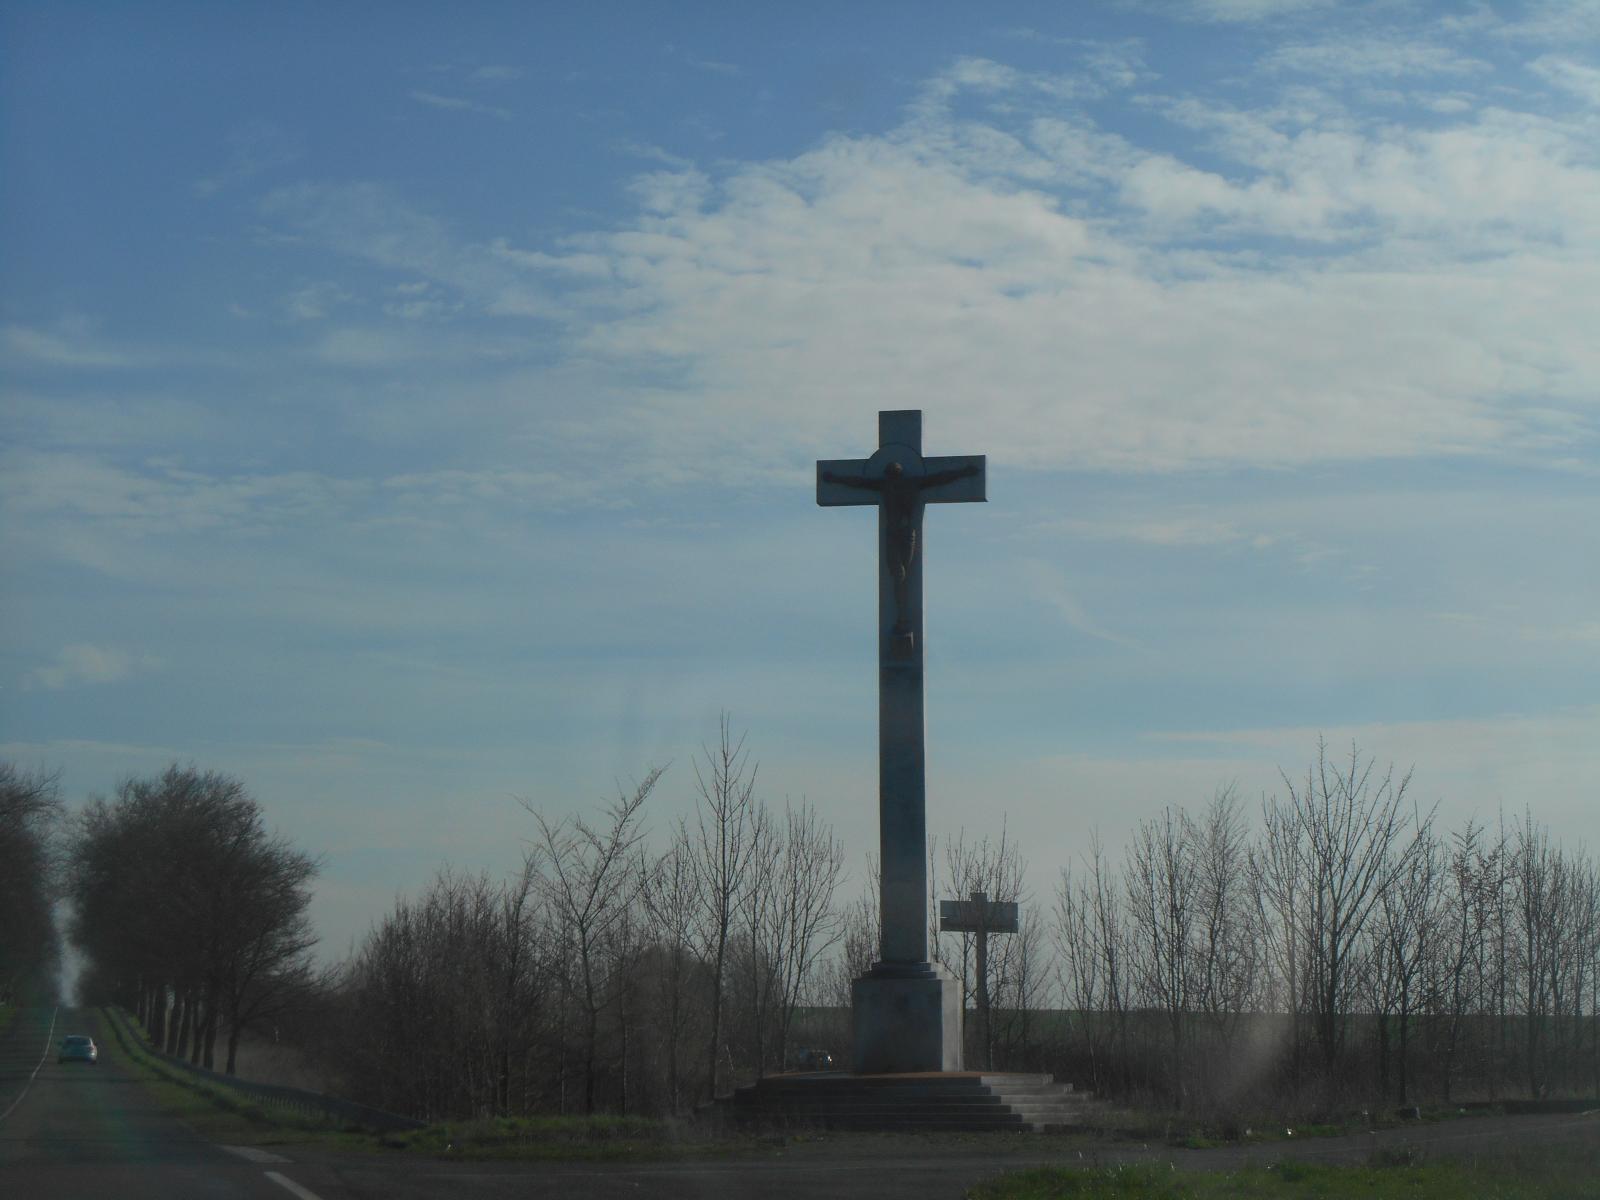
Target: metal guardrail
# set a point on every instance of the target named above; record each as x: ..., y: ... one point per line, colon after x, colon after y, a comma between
x: 296, y: 1100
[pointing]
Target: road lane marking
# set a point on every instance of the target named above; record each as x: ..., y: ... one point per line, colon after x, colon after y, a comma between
x: 251, y: 1154
x: 49, y: 1040
x: 293, y: 1188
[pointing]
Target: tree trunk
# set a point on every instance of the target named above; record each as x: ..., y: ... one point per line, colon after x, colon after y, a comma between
x: 1405, y: 1039
x: 156, y: 1026
x: 1383, y: 1055
x: 185, y: 1027
x: 716, y: 1018
x: 208, y: 1049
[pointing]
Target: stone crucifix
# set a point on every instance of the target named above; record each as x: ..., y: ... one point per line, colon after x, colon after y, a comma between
x: 903, y: 1008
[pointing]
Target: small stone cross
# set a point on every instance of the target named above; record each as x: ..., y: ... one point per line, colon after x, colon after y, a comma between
x: 981, y: 916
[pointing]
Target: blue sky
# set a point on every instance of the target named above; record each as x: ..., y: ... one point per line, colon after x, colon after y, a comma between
x: 412, y: 410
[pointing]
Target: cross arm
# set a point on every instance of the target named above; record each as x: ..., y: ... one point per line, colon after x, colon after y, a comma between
x: 844, y: 481
x: 978, y: 916
x: 955, y: 479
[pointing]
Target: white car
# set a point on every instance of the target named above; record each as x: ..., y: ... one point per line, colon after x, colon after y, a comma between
x: 79, y: 1047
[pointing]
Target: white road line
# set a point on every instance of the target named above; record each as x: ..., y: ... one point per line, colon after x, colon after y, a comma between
x: 293, y: 1188
x: 251, y: 1154
x: 49, y: 1040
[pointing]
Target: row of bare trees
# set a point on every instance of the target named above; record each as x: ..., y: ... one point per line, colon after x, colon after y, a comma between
x: 30, y: 949
x: 1347, y: 949
x: 188, y: 911
x: 605, y: 975
x: 1341, y: 947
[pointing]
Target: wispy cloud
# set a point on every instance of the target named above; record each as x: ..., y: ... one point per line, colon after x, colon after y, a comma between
x: 1579, y: 79
x: 1178, y: 530
x: 253, y: 149
x: 315, y: 301
x: 1239, y: 11
x: 79, y: 345
x: 459, y: 104
x: 709, y: 65
x: 23, y: 345
x: 369, y: 222
x: 1116, y: 304
x: 82, y: 664
x: 1368, y: 56
x: 1049, y: 584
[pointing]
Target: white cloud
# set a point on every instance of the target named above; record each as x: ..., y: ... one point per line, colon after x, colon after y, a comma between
x: 367, y: 221
x: 1049, y: 584
x: 1319, y: 288
x: 1580, y: 79
x: 459, y: 104
x: 495, y: 74
x: 162, y: 498
x: 82, y: 663
x: 314, y: 301
x: 254, y: 148
x: 1178, y: 530
x: 1239, y: 11
x: 76, y: 344
x: 1366, y: 56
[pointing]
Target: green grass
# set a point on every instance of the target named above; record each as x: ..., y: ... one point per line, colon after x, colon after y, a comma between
x: 1198, y: 1133
x: 1542, y: 1173
x: 598, y: 1138
x: 219, y: 1112
x: 225, y: 1115
x: 8, y: 1013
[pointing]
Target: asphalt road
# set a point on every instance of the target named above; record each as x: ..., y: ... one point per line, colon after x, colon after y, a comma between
x: 72, y: 1131
x: 75, y: 1132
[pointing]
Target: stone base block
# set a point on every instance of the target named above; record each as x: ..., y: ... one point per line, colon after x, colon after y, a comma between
x: 906, y: 1017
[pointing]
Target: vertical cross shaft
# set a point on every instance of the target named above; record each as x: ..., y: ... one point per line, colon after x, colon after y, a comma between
x: 901, y: 482
x: 902, y: 755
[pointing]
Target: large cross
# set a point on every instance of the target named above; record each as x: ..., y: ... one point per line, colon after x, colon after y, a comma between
x: 900, y: 481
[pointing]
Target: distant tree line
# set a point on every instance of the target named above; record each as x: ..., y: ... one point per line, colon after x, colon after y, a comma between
x: 189, y: 912
x: 30, y: 948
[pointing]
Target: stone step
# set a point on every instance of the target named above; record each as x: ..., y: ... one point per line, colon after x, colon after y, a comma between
x: 1015, y: 1101
x: 914, y: 1087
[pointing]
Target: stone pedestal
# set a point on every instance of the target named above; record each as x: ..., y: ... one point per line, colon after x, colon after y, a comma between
x: 906, y: 1017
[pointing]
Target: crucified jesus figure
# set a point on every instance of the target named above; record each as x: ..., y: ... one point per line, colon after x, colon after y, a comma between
x: 900, y: 504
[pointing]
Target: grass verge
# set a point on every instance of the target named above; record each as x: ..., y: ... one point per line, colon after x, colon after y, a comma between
x: 224, y: 1115
x: 1566, y: 1172
x: 587, y: 1139
x: 218, y: 1112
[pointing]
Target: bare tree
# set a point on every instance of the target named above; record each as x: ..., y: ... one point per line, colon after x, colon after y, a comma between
x: 671, y: 892
x: 1091, y: 936
x: 858, y: 939
x: 1162, y: 887
x: 590, y: 879
x: 1461, y: 963
x: 1406, y: 929
x: 726, y: 813
x: 1227, y: 953
x: 803, y: 926
x: 1334, y: 845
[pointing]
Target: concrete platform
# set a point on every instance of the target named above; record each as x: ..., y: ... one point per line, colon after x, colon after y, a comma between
x: 928, y: 1100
